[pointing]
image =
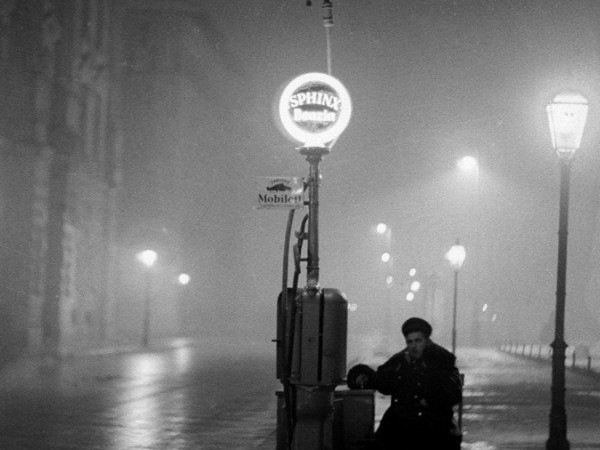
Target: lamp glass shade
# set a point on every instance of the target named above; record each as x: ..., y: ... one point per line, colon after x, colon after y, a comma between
x: 567, y: 115
x: 456, y: 255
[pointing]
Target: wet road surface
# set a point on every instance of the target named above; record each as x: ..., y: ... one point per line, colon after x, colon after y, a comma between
x: 507, y: 402
x: 186, y: 397
x: 214, y: 396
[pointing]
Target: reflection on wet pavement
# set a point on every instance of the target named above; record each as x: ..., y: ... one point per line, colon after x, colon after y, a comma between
x: 185, y: 397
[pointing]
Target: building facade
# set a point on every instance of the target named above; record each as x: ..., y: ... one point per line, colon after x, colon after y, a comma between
x: 60, y: 141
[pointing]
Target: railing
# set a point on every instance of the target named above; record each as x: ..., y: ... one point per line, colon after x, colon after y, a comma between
x: 577, y: 357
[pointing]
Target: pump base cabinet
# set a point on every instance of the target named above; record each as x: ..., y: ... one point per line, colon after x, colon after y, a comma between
x: 353, y: 419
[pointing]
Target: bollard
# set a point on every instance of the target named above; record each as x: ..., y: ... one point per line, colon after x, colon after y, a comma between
x: 574, y: 360
x: 589, y: 362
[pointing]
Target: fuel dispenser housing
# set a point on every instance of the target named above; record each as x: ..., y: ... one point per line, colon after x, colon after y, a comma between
x: 319, y: 356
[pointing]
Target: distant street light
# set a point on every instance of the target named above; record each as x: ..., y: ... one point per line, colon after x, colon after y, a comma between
x: 147, y: 258
x: 467, y: 164
x: 381, y: 228
x: 567, y: 115
x: 183, y: 279
x: 456, y: 255
x: 415, y: 286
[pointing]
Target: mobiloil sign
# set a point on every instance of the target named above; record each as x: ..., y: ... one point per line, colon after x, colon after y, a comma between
x: 314, y: 109
x: 280, y: 192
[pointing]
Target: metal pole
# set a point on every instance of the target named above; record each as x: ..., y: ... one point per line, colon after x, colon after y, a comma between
x: 454, y: 312
x: 314, y: 404
x: 314, y: 155
x: 557, y: 439
x: 146, y: 325
x: 327, y: 8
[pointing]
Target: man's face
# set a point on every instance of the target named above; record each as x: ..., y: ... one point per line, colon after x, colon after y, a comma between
x: 416, y: 343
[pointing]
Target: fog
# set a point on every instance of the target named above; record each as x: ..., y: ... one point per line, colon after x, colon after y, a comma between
x: 431, y: 81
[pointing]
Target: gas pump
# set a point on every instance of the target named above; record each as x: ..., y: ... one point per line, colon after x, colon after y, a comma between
x: 312, y: 332
x: 311, y: 321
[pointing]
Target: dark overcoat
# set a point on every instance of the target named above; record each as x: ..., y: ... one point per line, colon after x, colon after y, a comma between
x: 424, y: 392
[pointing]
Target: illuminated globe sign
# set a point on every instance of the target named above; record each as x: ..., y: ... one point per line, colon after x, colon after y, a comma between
x: 314, y: 109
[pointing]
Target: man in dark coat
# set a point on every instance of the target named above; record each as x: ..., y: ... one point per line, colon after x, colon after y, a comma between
x: 425, y: 385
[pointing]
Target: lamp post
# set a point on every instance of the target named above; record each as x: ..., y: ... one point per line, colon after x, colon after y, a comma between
x: 469, y: 172
x: 385, y: 244
x: 456, y: 255
x: 147, y: 258
x: 566, y: 117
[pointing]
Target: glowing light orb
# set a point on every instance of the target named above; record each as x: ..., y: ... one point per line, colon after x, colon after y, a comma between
x: 147, y: 257
x: 314, y: 109
x: 467, y: 164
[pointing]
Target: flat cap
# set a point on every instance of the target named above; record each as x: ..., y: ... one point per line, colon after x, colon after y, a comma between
x: 416, y: 324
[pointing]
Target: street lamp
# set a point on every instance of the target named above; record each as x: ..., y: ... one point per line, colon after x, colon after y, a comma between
x: 467, y: 164
x: 415, y: 286
x: 183, y: 279
x: 147, y: 258
x: 566, y: 117
x: 456, y: 255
